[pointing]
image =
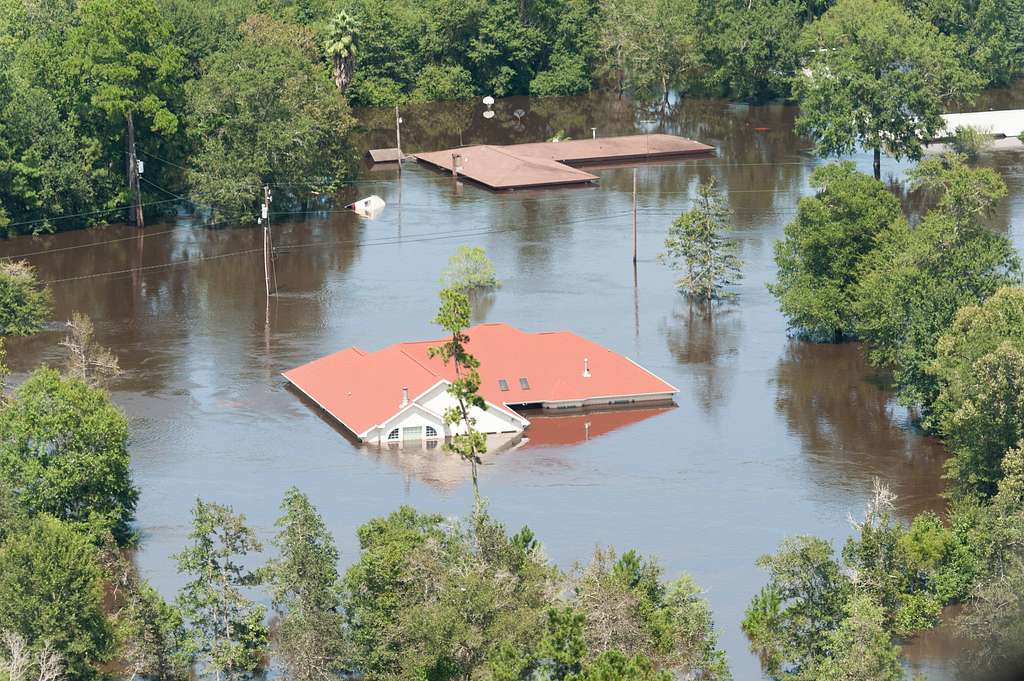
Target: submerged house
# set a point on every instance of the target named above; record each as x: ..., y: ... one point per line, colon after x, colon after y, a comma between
x: 399, y: 393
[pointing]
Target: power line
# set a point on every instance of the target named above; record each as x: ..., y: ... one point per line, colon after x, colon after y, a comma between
x: 91, y: 212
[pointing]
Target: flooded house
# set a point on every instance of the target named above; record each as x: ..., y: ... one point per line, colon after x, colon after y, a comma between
x: 400, y: 393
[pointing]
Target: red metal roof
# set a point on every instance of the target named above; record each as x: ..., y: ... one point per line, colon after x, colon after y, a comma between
x: 362, y: 390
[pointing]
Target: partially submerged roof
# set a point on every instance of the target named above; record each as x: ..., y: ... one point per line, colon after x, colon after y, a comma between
x: 498, y: 168
x: 364, y: 389
x: 538, y: 164
x: 1009, y: 122
x: 384, y: 155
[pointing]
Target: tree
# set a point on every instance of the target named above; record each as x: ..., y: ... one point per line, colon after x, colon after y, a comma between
x: 789, y: 623
x: 88, y: 361
x: 264, y: 112
x: 148, y: 631
x: 225, y: 633
x: 967, y: 195
x: 970, y: 141
x: 454, y: 317
x: 63, y: 449
x: 340, y: 48
x: 129, y: 67
x: 911, y: 287
x: 430, y: 599
x: 469, y: 269
x: 629, y: 610
x: 985, y: 420
x: 820, y: 258
x: 25, y: 303
x: 695, y: 244
x: 51, y: 588
x: 18, y: 662
x: 861, y: 649
x: 305, y: 589
x: 877, y: 77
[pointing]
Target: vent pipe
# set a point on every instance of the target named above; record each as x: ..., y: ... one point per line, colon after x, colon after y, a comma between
x: 586, y: 368
x: 405, y: 396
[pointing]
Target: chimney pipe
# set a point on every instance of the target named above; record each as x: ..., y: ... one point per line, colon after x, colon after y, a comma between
x: 405, y: 396
x: 586, y: 368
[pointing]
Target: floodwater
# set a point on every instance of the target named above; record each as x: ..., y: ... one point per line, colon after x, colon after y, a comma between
x: 770, y: 436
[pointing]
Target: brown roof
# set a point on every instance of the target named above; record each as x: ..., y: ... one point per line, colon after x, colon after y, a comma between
x: 538, y: 164
x: 499, y: 168
x: 627, y: 147
x: 384, y: 155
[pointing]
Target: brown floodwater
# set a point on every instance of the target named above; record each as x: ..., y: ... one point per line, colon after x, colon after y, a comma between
x: 770, y: 436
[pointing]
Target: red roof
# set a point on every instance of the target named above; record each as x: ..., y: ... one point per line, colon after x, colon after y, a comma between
x: 363, y: 389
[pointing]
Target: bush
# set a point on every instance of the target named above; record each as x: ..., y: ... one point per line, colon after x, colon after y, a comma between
x: 25, y: 303
x: 970, y: 141
x: 375, y: 91
x: 469, y: 269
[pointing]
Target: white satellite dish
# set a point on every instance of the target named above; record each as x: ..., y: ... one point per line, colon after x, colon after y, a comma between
x: 488, y: 114
x: 488, y: 100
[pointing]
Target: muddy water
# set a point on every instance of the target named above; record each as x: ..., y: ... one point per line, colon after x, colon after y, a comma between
x: 770, y: 436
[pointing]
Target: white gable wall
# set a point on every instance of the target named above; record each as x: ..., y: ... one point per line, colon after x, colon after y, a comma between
x: 428, y: 410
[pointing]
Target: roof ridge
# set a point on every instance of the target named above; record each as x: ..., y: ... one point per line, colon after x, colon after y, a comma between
x: 421, y: 365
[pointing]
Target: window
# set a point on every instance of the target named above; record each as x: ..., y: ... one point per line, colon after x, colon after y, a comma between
x: 503, y: 385
x: 524, y: 384
x: 393, y: 435
x: 431, y: 432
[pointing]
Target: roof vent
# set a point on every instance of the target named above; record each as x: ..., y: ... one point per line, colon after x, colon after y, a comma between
x: 586, y: 368
x: 405, y: 396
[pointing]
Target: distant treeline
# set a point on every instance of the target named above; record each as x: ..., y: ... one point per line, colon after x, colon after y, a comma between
x: 228, y: 95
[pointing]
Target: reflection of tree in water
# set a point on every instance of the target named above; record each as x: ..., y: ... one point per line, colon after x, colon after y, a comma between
x: 706, y: 337
x: 481, y: 303
x: 850, y: 428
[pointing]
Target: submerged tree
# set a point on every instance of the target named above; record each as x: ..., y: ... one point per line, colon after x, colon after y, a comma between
x: 88, y: 361
x: 25, y: 303
x: 469, y: 269
x: 877, y: 77
x: 306, y: 593
x: 454, y: 317
x: 696, y: 246
x: 225, y: 634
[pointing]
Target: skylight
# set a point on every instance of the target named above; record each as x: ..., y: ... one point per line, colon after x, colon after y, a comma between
x: 524, y: 384
x: 503, y: 385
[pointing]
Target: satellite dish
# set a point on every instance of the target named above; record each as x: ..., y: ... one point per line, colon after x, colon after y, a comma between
x: 488, y: 100
x: 518, y: 113
x: 488, y: 114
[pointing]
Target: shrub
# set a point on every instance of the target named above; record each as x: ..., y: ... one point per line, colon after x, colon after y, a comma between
x: 25, y: 303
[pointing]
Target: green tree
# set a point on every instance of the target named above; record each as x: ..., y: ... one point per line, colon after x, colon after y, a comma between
x: 340, y: 47
x: 469, y: 269
x: 629, y: 610
x: 454, y: 317
x: 861, y: 649
x: 877, y: 77
x: 51, y: 588
x: 264, y: 112
x: 127, y: 64
x: 25, y: 303
x: 63, y: 450
x: 429, y: 599
x: 695, y: 245
x: 148, y: 632
x: 911, y: 287
x: 305, y: 588
x: 790, y: 622
x: 225, y: 630
x: 820, y: 258
x: 966, y: 194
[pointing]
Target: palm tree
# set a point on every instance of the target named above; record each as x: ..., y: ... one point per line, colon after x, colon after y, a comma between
x: 340, y: 46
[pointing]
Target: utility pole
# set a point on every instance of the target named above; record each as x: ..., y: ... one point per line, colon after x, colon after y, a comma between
x: 634, y: 219
x: 135, y: 212
x: 398, y: 138
x: 265, y: 219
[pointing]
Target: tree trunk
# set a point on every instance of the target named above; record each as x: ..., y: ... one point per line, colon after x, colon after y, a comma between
x: 837, y: 335
x: 878, y: 163
x: 343, y: 69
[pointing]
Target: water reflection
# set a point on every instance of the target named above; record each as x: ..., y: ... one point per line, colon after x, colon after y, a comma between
x: 706, y: 337
x: 850, y: 428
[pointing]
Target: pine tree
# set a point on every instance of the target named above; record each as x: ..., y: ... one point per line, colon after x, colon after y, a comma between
x: 695, y: 245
